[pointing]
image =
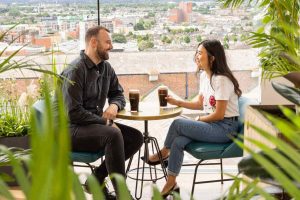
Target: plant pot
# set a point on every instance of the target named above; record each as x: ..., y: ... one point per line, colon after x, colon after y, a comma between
x: 255, y: 116
x: 19, y: 142
x: 294, y: 77
x: 16, y: 141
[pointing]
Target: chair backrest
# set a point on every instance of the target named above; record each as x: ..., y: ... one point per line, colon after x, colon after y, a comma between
x: 39, y: 108
x: 243, y: 103
x: 233, y: 150
x: 85, y: 157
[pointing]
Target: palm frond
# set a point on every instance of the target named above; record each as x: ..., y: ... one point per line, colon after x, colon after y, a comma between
x: 5, y: 32
x: 276, y: 173
x: 283, y: 37
x: 282, y: 164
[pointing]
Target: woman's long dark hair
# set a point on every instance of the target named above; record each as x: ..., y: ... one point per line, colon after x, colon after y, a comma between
x: 219, y: 65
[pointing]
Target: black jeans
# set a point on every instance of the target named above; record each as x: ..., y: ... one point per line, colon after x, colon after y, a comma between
x: 118, y: 145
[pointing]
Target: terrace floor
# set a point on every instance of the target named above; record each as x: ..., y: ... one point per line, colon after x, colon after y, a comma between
x: 209, y: 191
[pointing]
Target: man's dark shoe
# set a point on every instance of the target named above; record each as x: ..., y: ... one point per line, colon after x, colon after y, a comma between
x: 86, y: 188
x: 108, y: 195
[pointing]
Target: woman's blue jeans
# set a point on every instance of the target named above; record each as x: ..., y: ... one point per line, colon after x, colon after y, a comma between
x: 184, y: 131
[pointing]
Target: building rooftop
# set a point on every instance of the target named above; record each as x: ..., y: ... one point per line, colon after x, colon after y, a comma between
x: 143, y: 62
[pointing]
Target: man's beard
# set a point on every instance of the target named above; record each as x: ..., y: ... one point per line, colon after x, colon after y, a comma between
x: 103, y: 55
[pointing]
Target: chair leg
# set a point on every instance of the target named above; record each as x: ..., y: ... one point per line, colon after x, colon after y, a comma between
x: 92, y: 168
x: 221, y: 163
x: 129, y: 164
x: 194, y: 180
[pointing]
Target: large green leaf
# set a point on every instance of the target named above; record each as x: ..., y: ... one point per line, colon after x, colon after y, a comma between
x: 275, y: 172
x: 290, y: 93
x: 288, y: 128
x: 4, y: 191
x: 283, y: 166
x: 156, y: 193
x: 122, y: 188
x: 285, y: 148
x: 94, y: 187
x: 281, y: 37
x: 283, y: 163
x: 250, y: 189
x: 51, y: 176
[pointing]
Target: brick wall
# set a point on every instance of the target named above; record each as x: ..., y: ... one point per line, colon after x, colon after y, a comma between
x: 246, y: 82
x: 175, y: 81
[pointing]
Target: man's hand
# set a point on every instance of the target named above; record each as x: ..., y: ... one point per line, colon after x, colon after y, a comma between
x: 111, y: 112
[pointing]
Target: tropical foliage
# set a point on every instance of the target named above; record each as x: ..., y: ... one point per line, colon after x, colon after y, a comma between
x: 278, y: 37
x: 49, y: 175
x: 14, y: 121
x: 280, y: 166
x: 279, y: 41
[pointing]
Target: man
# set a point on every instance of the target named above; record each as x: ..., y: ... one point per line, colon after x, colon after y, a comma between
x: 91, y: 129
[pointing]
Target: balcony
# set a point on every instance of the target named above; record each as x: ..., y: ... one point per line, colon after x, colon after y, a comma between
x: 168, y: 62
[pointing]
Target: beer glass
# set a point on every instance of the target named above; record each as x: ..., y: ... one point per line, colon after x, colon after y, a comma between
x: 134, y: 98
x: 162, y: 94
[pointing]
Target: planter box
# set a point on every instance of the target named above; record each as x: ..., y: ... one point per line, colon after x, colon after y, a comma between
x: 269, y: 96
x: 254, y: 116
x: 20, y: 142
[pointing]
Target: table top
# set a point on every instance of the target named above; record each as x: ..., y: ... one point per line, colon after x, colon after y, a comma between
x: 149, y: 111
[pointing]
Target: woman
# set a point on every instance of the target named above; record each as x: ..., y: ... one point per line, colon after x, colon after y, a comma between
x: 218, y: 97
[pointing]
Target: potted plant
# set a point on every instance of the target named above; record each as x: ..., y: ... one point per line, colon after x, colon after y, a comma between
x: 14, y: 119
x: 279, y: 167
x: 48, y: 162
x: 278, y: 40
x: 14, y: 125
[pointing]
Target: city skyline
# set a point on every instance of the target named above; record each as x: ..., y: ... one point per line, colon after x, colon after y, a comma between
x: 147, y: 38
x: 101, y: 1
x: 146, y: 27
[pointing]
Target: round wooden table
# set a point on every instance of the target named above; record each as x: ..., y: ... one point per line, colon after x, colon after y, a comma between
x: 148, y: 111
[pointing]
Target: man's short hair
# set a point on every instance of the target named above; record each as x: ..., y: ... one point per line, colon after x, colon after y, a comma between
x: 93, y: 31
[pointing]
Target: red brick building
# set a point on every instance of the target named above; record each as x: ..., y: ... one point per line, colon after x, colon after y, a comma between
x: 181, y: 14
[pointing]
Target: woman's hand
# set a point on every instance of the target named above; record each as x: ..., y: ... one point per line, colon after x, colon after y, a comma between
x: 172, y: 101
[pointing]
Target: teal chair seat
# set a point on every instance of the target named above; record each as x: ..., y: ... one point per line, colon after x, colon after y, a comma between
x: 206, y: 151
x: 86, y: 157
x: 212, y: 151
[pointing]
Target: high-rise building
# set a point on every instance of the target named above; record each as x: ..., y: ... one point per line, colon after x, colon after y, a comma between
x: 176, y: 15
x: 186, y: 7
x: 107, y: 23
x: 181, y: 14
